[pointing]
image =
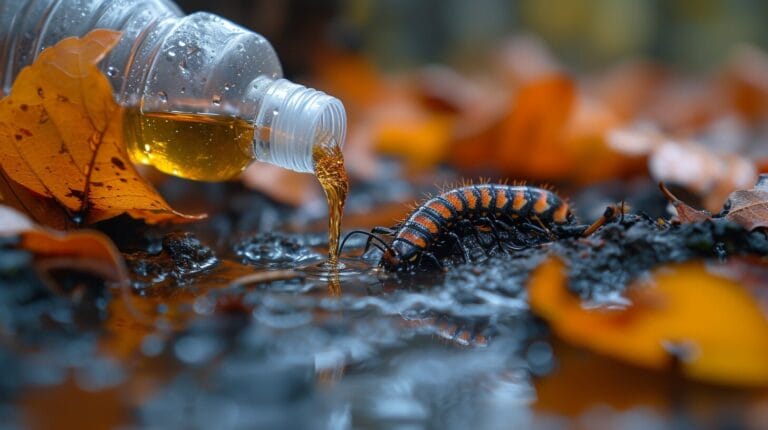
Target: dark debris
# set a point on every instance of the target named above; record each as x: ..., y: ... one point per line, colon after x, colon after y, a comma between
x: 181, y: 257
x: 621, y: 251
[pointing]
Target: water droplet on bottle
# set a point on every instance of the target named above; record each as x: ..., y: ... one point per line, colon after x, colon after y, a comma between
x: 228, y: 87
x: 170, y: 55
x: 182, y: 44
x: 111, y: 71
x: 183, y: 90
x: 163, y: 96
x: 216, y: 100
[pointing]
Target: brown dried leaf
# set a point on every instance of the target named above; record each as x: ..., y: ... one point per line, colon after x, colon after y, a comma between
x: 61, y: 138
x: 749, y: 208
x: 685, y: 213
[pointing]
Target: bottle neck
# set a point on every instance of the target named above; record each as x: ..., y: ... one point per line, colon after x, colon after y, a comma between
x: 292, y: 120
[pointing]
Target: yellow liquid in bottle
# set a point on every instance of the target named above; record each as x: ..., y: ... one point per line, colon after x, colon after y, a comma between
x: 203, y: 147
x: 209, y: 147
x: 330, y: 171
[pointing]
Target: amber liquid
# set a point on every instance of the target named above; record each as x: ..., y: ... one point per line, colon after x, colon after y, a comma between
x: 209, y: 147
x: 329, y: 169
x: 194, y: 146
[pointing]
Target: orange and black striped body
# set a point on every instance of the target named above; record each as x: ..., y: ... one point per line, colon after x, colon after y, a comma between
x: 473, y: 202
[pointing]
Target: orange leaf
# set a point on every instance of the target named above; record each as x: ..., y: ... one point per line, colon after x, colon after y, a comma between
x: 422, y: 140
x: 533, y: 132
x: 550, y: 132
x: 708, y: 322
x: 86, y: 250
x: 61, y: 138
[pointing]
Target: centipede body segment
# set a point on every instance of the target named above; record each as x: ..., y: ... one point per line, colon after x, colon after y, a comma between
x: 492, y: 204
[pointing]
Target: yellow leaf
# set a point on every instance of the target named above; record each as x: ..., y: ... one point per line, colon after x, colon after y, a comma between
x: 61, y: 138
x: 714, y: 324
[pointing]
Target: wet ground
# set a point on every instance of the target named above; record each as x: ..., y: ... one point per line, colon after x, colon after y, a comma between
x: 231, y: 324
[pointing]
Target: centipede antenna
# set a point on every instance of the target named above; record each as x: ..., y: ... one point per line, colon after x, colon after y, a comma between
x: 608, y: 214
x: 352, y: 233
x: 371, y: 236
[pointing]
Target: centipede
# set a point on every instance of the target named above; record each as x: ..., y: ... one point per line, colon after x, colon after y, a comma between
x: 519, y: 209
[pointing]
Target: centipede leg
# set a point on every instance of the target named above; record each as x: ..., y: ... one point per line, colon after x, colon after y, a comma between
x: 490, y: 223
x: 431, y: 258
x: 543, y: 228
x: 457, y: 242
x: 537, y: 227
x: 515, y: 246
x: 466, y: 225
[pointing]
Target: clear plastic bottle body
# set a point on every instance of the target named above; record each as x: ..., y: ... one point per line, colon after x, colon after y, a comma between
x: 168, y: 62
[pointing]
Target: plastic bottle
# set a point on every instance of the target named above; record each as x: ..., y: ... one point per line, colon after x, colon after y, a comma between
x: 204, y: 97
